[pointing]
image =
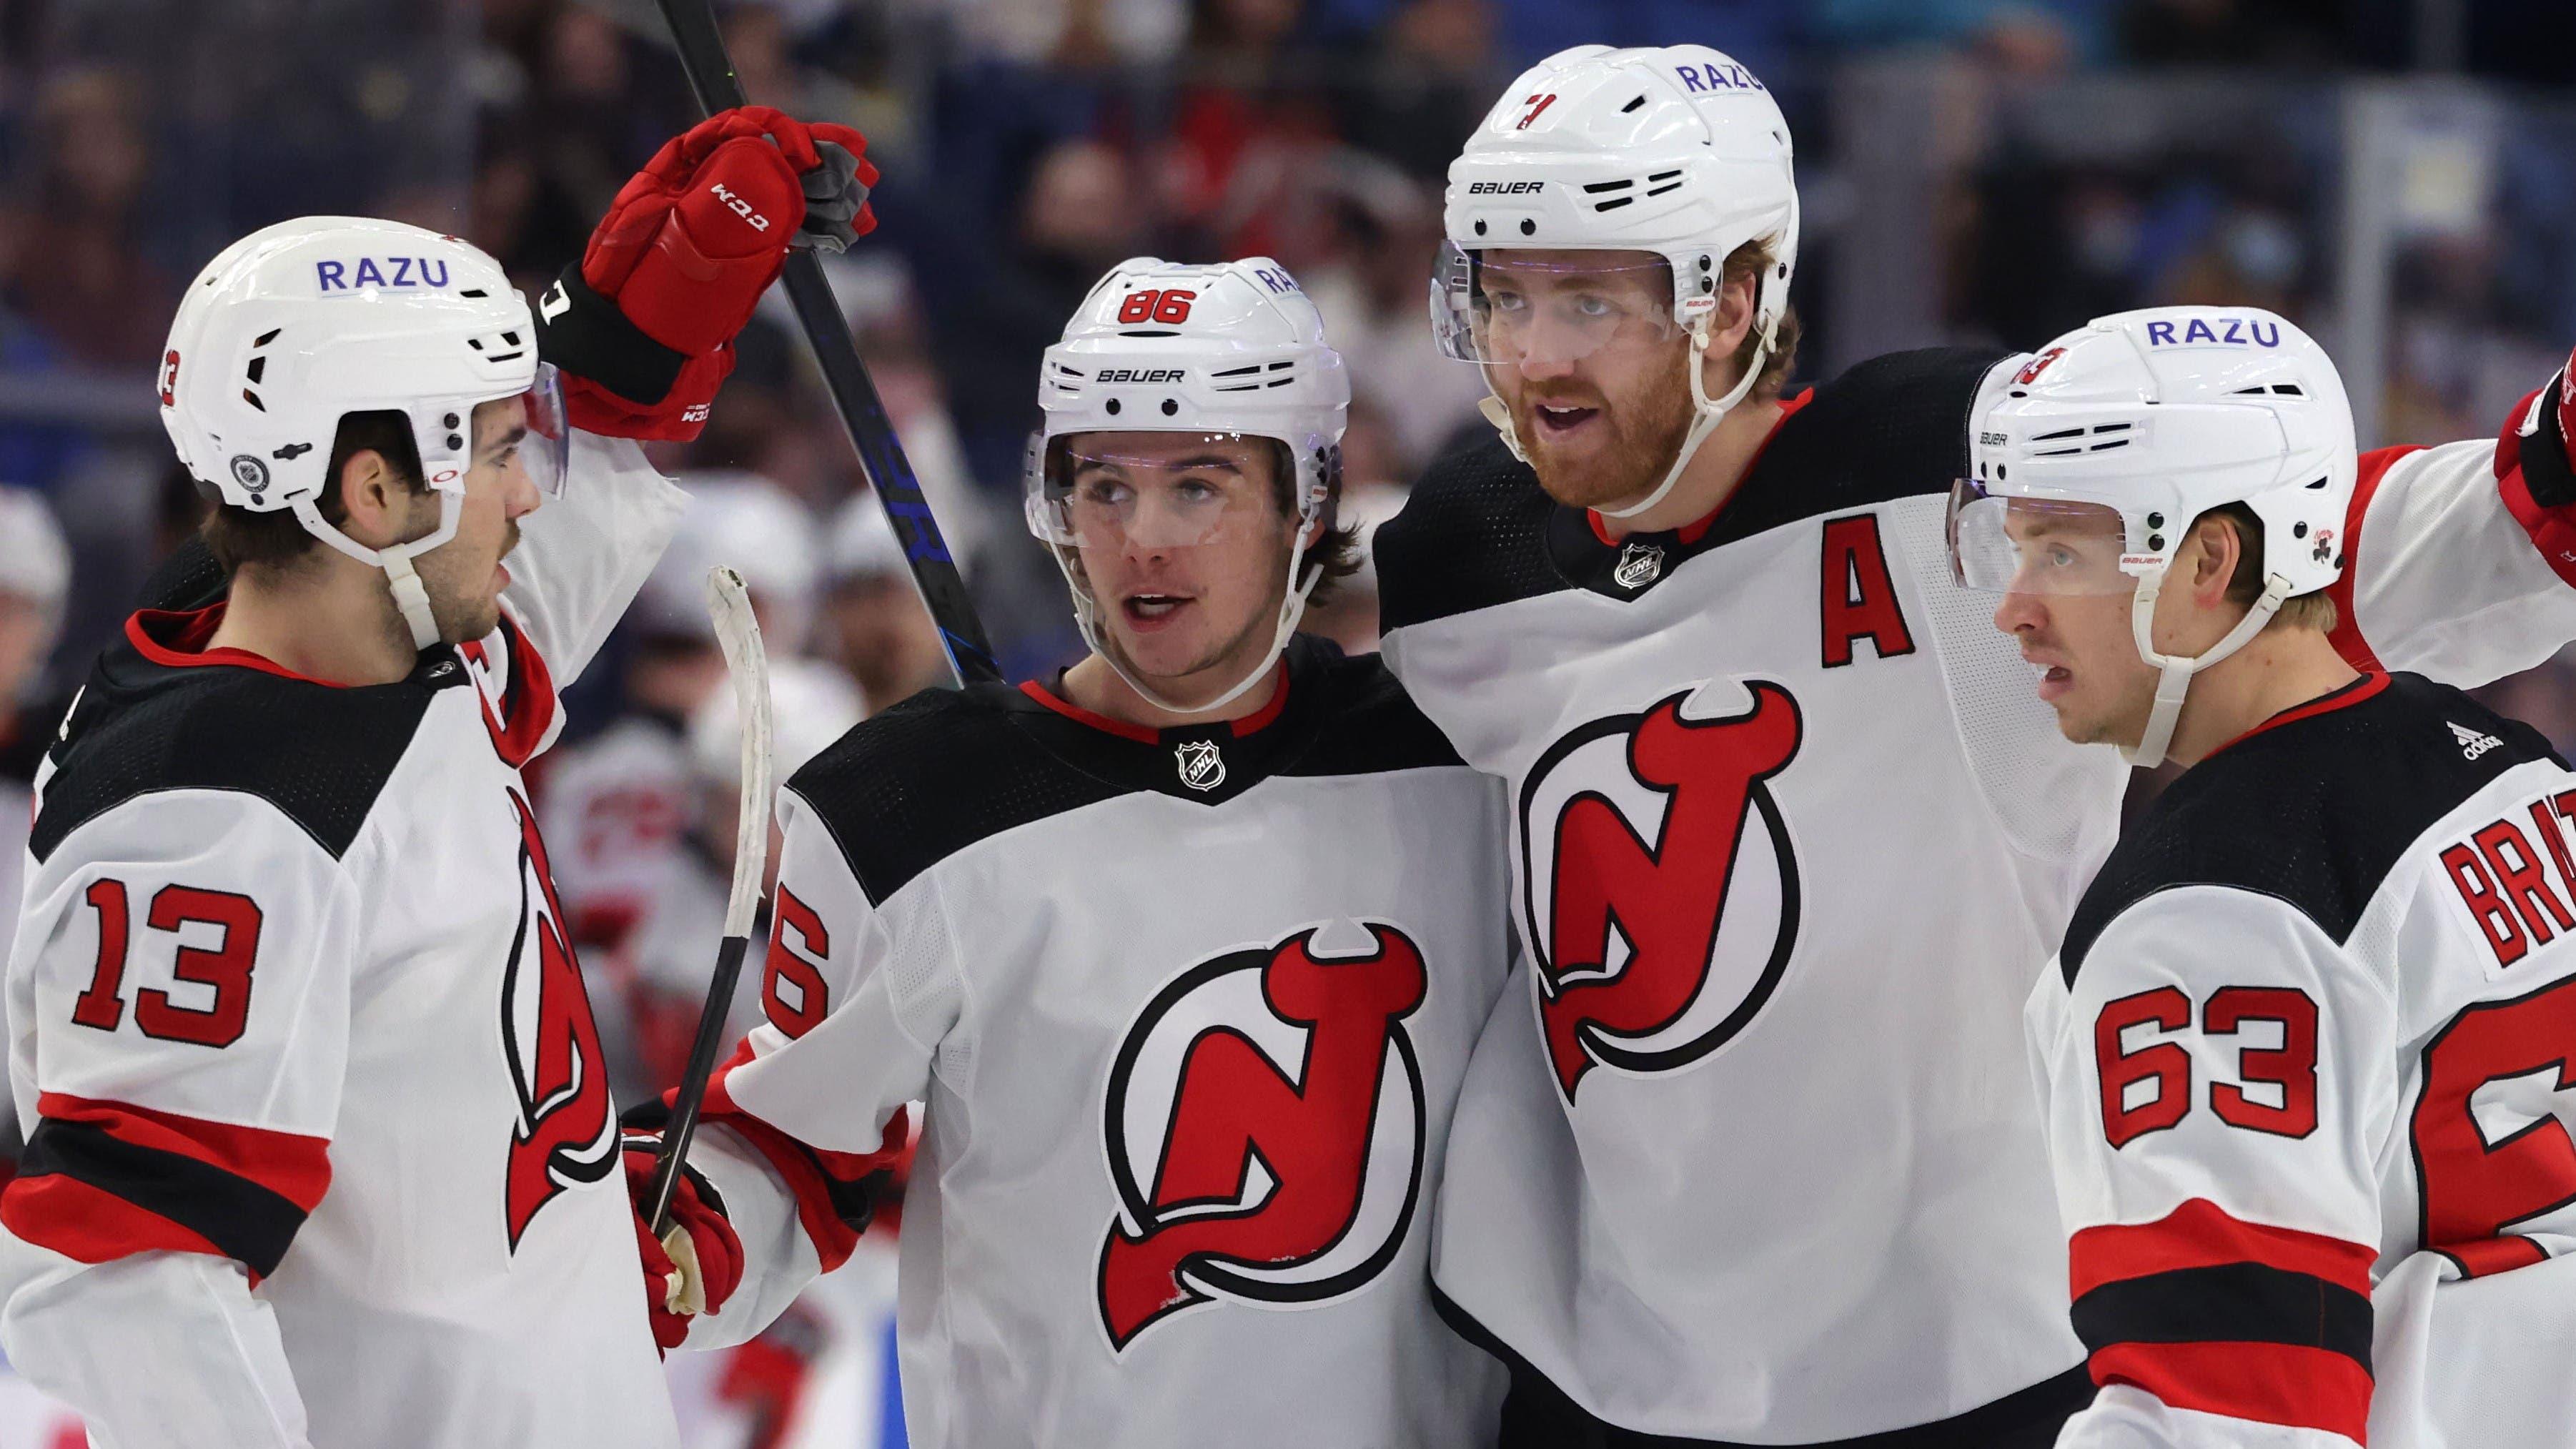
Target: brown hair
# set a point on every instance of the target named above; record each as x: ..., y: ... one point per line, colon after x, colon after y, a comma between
x: 1755, y: 262
x: 2300, y: 611
x: 1337, y: 554
x: 240, y: 538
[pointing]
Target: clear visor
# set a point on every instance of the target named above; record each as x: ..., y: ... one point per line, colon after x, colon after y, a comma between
x: 1501, y: 306
x: 1153, y: 490
x: 2036, y: 545
x: 547, y: 449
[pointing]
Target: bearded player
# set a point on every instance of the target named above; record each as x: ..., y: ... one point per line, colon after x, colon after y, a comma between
x: 1183, y: 953
x: 1751, y: 1162
x: 320, y: 1144
x: 2303, y: 1057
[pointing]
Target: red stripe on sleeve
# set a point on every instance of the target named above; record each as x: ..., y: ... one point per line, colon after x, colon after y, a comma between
x: 2200, y: 1234
x: 2268, y: 1383
x: 2347, y: 638
x: 811, y: 1172
x: 91, y: 1225
x: 295, y: 1167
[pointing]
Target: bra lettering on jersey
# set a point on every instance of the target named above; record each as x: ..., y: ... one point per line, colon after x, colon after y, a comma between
x: 2501, y: 872
x: 1265, y: 1125
x: 567, y: 1131
x: 1664, y: 921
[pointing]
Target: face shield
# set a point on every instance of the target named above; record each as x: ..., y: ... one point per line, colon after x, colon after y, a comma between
x: 2007, y: 545
x: 547, y: 449
x: 1517, y: 308
x: 1148, y: 492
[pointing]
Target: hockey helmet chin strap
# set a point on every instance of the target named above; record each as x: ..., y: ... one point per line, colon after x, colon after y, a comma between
x: 2174, y: 679
x: 410, y: 595
x: 1292, y: 607
x: 1709, y: 413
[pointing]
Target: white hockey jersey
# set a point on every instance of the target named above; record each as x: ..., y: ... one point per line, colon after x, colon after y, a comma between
x: 320, y: 1144
x: 1187, y: 1012
x: 2308, y: 1062
x: 1793, y: 837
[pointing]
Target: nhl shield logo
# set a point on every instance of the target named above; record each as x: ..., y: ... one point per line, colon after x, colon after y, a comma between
x: 1202, y: 768
x: 1639, y: 564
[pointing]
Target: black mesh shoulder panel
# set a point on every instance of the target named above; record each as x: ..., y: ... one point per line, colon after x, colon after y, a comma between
x: 1370, y: 726
x: 1892, y: 427
x: 320, y: 755
x: 1471, y: 536
x: 2314, y: 811
x: 946, y: 768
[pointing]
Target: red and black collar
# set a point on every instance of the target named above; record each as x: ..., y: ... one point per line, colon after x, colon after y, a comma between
x: 1210, y: 763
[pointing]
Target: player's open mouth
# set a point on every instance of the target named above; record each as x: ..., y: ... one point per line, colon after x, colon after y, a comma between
x: 2054, y: 679
x: 1557, y: 421
x: 1152, y: 611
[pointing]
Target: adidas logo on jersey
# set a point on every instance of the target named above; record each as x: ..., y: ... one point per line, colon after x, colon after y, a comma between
x: 2473, y: 744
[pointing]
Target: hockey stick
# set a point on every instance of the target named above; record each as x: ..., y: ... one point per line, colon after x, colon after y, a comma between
x: 889, y: 472
x: 738, y: 632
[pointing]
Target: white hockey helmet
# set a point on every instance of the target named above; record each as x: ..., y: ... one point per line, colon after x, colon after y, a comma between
x: 1674, y: 151
x: 2132, y: 427
x: 1164, y: 347
x: 298, y: 324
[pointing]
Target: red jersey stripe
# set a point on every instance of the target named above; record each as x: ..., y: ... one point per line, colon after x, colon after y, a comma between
x: 2200, y: 1234
x: 2268, y: 1383
x: 295, y: 1167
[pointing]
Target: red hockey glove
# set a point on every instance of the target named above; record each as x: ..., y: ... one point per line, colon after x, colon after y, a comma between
x: 643, y: 328
x: 694, y: 1267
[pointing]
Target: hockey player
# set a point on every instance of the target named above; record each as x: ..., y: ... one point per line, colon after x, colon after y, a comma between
x: 1793, y: 837
x: 1183, y: 954
x: 2305, y: 1056
x: 321, y: 1145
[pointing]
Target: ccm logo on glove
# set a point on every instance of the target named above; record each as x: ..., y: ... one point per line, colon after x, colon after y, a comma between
x: 741, y: 208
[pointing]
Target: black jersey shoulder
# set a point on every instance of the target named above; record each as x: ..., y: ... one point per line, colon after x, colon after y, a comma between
x: 1471, y: 536
x: 1479, y: 531
x: 2314, y: 811
x: 947, y: 768
x: 1892, y: 427
x: 1368, y: 725
x: 915, y: 784
x: 321, y: 755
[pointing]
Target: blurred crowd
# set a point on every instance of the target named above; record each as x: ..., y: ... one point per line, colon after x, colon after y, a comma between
x: 2063, y: 158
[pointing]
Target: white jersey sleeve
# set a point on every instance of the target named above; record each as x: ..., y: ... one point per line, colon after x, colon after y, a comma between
x: 2452, y: 570
x: 2218, y: 1080
x: 812, y: 1105
x: 179, y: 1005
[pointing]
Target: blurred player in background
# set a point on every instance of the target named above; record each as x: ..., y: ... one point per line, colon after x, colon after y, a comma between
x: 1792, y: 836
x: 35, y: 572
x: 1183, y: 953
x: 321, y: 1144
x: 2305, y: 1054
x: 874, y: 626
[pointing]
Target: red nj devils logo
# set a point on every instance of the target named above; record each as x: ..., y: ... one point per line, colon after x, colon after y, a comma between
x: 1660, y: 923
x: 1265, y: 1131
x: 567, y: 1133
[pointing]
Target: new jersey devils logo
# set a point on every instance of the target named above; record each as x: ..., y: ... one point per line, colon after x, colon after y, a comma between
x: 1265, y: 1126
x: 1660, y: 920
x: 566, y: 1133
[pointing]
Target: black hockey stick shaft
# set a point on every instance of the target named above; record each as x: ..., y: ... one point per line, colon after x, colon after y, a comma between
x: 693, y: 1082
x: 881, y: 457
